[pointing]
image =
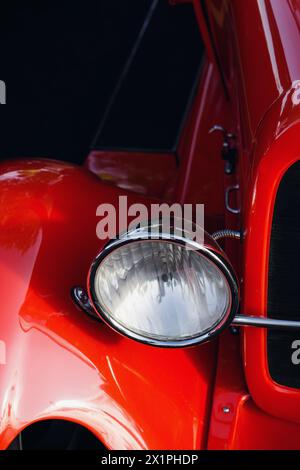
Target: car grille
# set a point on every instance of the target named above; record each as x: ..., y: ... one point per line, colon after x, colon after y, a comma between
x: 284, y: 280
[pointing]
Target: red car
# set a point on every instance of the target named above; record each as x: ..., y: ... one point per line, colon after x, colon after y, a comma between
x: 126, y: 344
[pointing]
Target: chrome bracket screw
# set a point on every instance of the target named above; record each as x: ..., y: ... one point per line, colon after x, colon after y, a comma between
x: 81, y: 298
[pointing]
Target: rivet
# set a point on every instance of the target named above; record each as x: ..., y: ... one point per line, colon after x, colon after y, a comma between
x: 226, y: 409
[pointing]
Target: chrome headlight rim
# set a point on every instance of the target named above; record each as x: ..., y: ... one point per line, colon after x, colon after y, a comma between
x: 214, y: 255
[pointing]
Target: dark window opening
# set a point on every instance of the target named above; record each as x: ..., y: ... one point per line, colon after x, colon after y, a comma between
x: 61, y: 63
x: 153, y: 96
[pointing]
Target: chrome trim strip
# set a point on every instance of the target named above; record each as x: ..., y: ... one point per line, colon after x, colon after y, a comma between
x: 264, y: 322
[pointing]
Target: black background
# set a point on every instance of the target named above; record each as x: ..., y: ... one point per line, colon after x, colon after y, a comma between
x: 61, y: 62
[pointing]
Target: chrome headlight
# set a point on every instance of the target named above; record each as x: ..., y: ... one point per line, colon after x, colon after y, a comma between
x: 167, y: 291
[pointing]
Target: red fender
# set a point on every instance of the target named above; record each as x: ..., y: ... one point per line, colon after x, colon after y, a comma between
x: 55, y: 361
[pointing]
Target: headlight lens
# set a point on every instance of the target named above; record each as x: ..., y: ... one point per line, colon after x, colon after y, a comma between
x: 160, y: 292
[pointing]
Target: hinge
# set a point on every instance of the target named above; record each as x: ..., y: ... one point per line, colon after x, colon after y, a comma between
x: 229, y: 150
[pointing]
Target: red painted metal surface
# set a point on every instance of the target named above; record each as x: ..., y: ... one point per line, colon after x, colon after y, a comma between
x: 147, y: 173
x: 266, y: 68
x: 236, y: 422
x: 277, y: 149
x: 271, y: 119
x: 201, y: 169
x: 201, y: 172
x: 259, y: 58
x: 59, y: 362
